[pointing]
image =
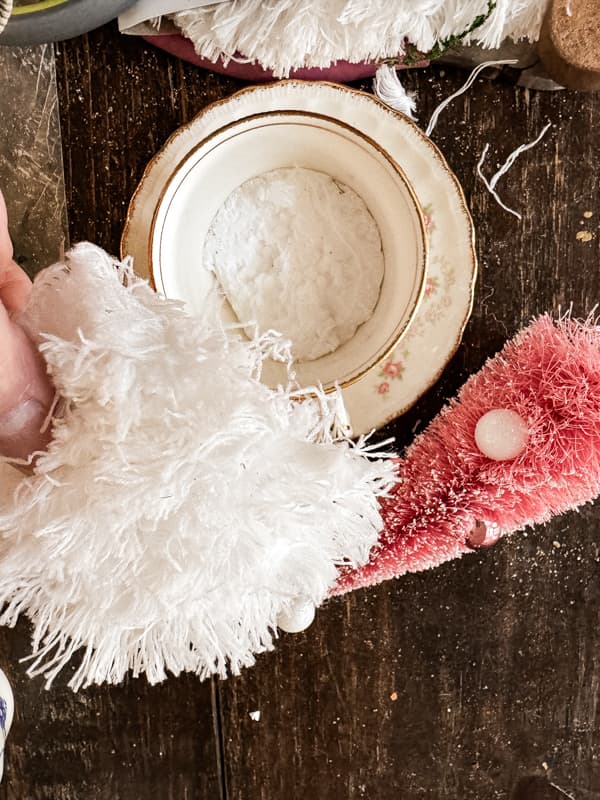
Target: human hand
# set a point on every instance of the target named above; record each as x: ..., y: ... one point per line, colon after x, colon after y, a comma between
x: 26, y: 392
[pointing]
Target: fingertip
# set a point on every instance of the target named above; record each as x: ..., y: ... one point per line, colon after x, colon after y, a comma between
x: 15, y: 285
x: 15, y: 288
x: 26, y: 394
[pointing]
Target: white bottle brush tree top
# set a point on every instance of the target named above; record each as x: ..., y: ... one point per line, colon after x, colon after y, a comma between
x: 182, y: 507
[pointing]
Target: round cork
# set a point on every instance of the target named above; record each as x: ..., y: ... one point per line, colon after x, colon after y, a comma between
x: 569, y: 44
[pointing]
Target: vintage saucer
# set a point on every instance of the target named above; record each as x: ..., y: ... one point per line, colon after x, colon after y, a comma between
x: 435, y: 333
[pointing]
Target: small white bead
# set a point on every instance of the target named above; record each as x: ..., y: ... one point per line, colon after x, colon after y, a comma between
x: 297, y: 618
x: 501, y: 434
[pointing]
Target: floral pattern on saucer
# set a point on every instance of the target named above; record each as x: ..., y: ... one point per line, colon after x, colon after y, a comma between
x: 436, y: 298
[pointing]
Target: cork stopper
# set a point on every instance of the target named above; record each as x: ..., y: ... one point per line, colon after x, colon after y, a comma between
x: 569, y: 44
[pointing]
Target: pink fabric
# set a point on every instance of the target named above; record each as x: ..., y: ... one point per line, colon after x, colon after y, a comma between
x: 549, y: 375
x: 340, y: 72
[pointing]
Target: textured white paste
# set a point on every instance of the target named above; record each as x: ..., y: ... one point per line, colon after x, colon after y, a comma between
x: 298, y: 252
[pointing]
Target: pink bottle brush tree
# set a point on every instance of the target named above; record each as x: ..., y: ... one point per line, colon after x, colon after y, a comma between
x: 520, y: 444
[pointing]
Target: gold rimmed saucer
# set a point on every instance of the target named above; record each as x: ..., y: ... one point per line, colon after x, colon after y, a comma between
x: 435, y: 332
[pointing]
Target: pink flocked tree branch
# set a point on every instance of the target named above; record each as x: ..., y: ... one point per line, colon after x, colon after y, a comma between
x: 520, y: 444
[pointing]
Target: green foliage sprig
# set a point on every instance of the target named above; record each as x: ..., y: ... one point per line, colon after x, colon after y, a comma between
x: 413, y: 56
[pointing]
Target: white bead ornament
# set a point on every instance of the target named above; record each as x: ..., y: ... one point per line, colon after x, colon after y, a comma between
x: 501, y: 434
x: 297, y: 618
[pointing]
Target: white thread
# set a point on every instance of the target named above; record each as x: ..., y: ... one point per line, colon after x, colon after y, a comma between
x: 463, y: 88
x: 388, y: 88
x: 548, y: 771
x: 561, y: 791
x: 492, y: 182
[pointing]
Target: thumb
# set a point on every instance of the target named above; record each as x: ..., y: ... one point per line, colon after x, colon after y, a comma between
x: 26, y: 393
x: 15, y: 286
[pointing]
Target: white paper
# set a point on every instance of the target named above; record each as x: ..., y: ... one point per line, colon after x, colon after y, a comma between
x: 144, y: 10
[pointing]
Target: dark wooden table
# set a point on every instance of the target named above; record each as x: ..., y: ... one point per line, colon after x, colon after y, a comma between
x: 478, y: 680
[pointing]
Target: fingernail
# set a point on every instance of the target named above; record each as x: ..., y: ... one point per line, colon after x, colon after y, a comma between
x: 24, y: 415
x: 21, y: 429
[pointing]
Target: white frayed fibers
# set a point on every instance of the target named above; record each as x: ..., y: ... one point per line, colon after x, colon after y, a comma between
x: 289, y: 34
x: 388, y: 88
x: 182, y: 505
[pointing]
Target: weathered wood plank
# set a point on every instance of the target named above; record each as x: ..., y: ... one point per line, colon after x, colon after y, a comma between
x: 462, y: 682
x: 31, y: 175
x: 132, y: 741
x: 112, y: 743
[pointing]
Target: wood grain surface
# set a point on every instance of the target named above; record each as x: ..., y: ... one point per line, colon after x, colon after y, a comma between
x: 31, y: 171
x: 476, y: 681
